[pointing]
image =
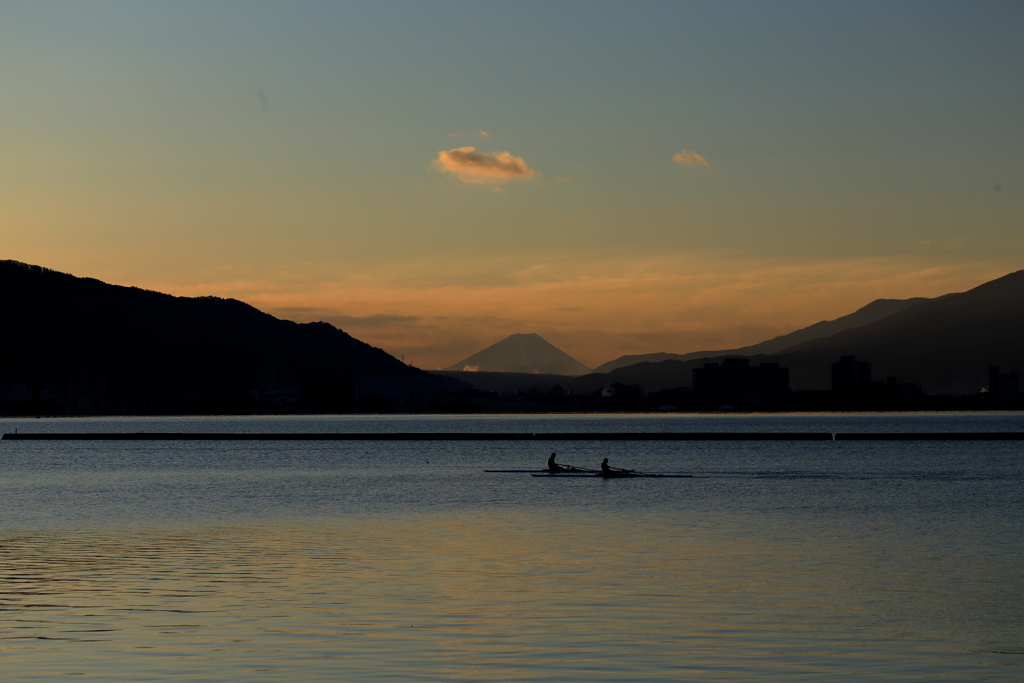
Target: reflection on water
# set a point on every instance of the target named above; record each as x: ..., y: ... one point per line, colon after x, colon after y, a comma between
x: 666, y: 422
x: 493, y: 597
x: 403, y: 561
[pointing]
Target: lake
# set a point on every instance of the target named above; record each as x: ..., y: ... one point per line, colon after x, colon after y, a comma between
x: 405, y: 561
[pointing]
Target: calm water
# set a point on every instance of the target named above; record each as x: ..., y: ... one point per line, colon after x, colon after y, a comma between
x: 297, y: 561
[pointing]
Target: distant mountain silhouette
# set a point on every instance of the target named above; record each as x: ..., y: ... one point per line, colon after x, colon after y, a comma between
x: 876, y: 310
x: 162, y: 351
x: 944, y: 344
x: 525, y: 353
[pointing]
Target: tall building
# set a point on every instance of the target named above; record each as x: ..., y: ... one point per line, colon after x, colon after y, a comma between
x: 1003, y: 386
x: 735, y: 381
x: 850, y: 373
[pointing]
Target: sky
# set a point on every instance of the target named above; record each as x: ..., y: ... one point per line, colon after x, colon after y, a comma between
x: 431, y: 177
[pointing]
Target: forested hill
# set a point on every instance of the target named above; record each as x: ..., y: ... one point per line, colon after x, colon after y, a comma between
x: 946, y: 345
x: 148, y: 345
x: 874, y: 311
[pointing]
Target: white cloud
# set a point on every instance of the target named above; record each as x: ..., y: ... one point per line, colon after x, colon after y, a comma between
x: 688, y: 158
x: 471, y: 166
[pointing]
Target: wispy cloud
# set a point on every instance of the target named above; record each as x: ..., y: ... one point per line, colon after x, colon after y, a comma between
x: 689, y: 158
x: 471, y: 166
x: 479, y: 132
x: 345, y: 321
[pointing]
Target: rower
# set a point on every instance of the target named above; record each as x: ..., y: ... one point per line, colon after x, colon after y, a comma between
x: 552, y: 465
x: 605, y: 469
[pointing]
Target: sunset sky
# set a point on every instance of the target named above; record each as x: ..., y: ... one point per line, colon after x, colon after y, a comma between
x: 432, y: 177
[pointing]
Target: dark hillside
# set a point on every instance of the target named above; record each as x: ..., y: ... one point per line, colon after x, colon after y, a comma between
x: 945, y: 344
x: 156, y: 350
x: 876, y: 310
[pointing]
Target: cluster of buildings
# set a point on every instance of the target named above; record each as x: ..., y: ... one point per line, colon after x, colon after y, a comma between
x: 732, y: 383
x: 736, y: 383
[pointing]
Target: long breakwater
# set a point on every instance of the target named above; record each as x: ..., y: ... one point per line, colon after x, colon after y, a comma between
x: 517, y: 436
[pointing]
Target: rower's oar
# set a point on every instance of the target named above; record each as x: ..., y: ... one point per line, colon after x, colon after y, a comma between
x: 625, y: 471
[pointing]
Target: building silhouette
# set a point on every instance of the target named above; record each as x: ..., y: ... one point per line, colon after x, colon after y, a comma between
x: 735, y: 381
x: 902, y: 391
x: 850, y: 373
x: 1003, y: 386
x: 87, y: 392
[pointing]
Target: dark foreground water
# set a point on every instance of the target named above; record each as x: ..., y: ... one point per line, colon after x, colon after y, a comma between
x: 392, y: 561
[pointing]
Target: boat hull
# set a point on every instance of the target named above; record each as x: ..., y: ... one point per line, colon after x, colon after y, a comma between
x: 601, y: 475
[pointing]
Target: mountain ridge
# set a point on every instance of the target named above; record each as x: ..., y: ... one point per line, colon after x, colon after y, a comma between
x: 149, y: 344
x: 876, y: 310
x: 522, y: 353
x: 958, y: 335
x: 945, y: 344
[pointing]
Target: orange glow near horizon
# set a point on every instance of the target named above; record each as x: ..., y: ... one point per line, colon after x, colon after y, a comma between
x: 435, y: 179
x: 596, y: 311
